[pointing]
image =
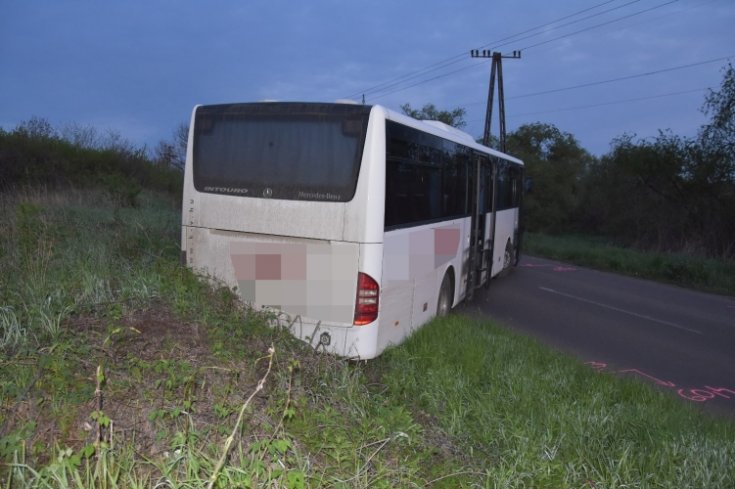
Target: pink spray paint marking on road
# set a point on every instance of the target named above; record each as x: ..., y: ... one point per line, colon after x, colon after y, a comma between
x: 664, y: 383
x: 599, y: 366
x: 694, y: 394
x: 706, y: 394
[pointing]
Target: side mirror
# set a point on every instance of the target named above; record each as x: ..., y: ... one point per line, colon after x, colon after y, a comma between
x: 527, y: 184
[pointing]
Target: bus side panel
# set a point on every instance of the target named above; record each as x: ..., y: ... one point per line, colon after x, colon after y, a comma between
x: 397, y: 289
x: 190, y: 198
x: 506, y: 224
x: 363, y: 215
x: 414, y: 263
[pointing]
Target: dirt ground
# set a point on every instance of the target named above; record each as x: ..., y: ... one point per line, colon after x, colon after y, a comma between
x: 160, y: 378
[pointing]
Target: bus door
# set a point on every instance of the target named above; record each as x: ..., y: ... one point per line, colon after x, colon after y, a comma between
x: 486, y: 219
x: 479, y: 255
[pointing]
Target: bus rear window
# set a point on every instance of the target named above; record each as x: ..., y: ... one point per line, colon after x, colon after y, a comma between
x: 294, y: 151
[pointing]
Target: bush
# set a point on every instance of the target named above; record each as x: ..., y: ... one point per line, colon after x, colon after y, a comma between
x: 34, y: 155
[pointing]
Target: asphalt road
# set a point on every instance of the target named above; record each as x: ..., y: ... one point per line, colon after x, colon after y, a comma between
x: 673, y: 338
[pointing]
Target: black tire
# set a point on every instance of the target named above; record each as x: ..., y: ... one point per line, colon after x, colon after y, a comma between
x: 488, y: 262
x: 444, y: 303
x: 509, y: 258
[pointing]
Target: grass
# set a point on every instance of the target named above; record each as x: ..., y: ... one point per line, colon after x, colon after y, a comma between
x: 121, y: 369
x: 542, y: 420
x: 680, y: 269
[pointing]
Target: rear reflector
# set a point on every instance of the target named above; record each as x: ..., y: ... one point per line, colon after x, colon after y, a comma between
x: 366, y: 303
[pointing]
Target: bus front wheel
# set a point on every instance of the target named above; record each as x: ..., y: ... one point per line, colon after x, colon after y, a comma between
x: 509, y: 256
x: 444, y: 304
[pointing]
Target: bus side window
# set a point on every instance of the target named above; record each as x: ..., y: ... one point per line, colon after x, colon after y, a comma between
x: 453, y: 183
x: 486, y: 184
x: 504, y: 187
x: 426, y: 177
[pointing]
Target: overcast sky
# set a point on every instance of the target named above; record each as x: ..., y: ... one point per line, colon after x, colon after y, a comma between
x: 138, y: 67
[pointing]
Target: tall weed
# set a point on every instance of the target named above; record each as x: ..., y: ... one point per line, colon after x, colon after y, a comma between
x: 12, y: 333
x: 74, y: 252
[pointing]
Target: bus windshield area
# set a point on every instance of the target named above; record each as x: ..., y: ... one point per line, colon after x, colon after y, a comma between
x: 293, y: 151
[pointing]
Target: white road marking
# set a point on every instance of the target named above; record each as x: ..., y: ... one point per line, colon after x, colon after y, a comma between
x: 624, y: 311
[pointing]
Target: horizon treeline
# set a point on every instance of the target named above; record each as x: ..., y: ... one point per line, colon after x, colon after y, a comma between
x: 35, y: 154
x: 669, y: 193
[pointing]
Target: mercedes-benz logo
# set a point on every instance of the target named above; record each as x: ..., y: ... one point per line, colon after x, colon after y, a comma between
x: 268, y: 192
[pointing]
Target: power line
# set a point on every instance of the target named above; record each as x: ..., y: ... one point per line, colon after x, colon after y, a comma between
x: 610, y: 80
x: 394, y: 87
x: 614, y: 102
x: 421, y: 82
x: 599, y: 25
x: 566, y: 24
x: 387, y: 85
x: 684, y: 8
x: 621, y: 78
x: 399, y: 88
x: 397, y: 81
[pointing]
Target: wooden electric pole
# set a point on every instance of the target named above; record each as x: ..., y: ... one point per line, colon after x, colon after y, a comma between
x: 495, y: 68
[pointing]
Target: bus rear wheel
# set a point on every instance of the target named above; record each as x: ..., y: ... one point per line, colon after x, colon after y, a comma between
x: 444, y: 304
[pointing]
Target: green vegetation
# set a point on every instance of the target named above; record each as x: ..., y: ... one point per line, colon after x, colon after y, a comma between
x: 676, y: 268
x: 121, y: 369
x: 667, y: 194
x: 37, y: 155
x: 454, y: 117
x: 538, y: 419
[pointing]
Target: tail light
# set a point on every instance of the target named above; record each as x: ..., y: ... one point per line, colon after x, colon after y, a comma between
x: 366, y: 303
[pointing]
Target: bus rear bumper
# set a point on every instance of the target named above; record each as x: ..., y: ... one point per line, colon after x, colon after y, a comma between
x: 354, y: 342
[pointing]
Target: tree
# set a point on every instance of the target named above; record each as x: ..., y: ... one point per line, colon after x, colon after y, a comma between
x: 638, y: 194
x: 181, y: 140
x: 36, y: 127
x: 555, y: 162
x: 173, y: 154
x: 165, y: 154
x: 718, y: 137
x: 453, y: 117
x: 713, y: 171
x: 670, y: 193
x: 81, y: 136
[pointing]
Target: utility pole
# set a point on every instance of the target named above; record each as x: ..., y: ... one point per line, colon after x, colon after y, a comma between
x: 496, y: 66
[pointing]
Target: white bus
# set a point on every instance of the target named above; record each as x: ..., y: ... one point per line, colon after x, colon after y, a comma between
x: 356, y: 222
